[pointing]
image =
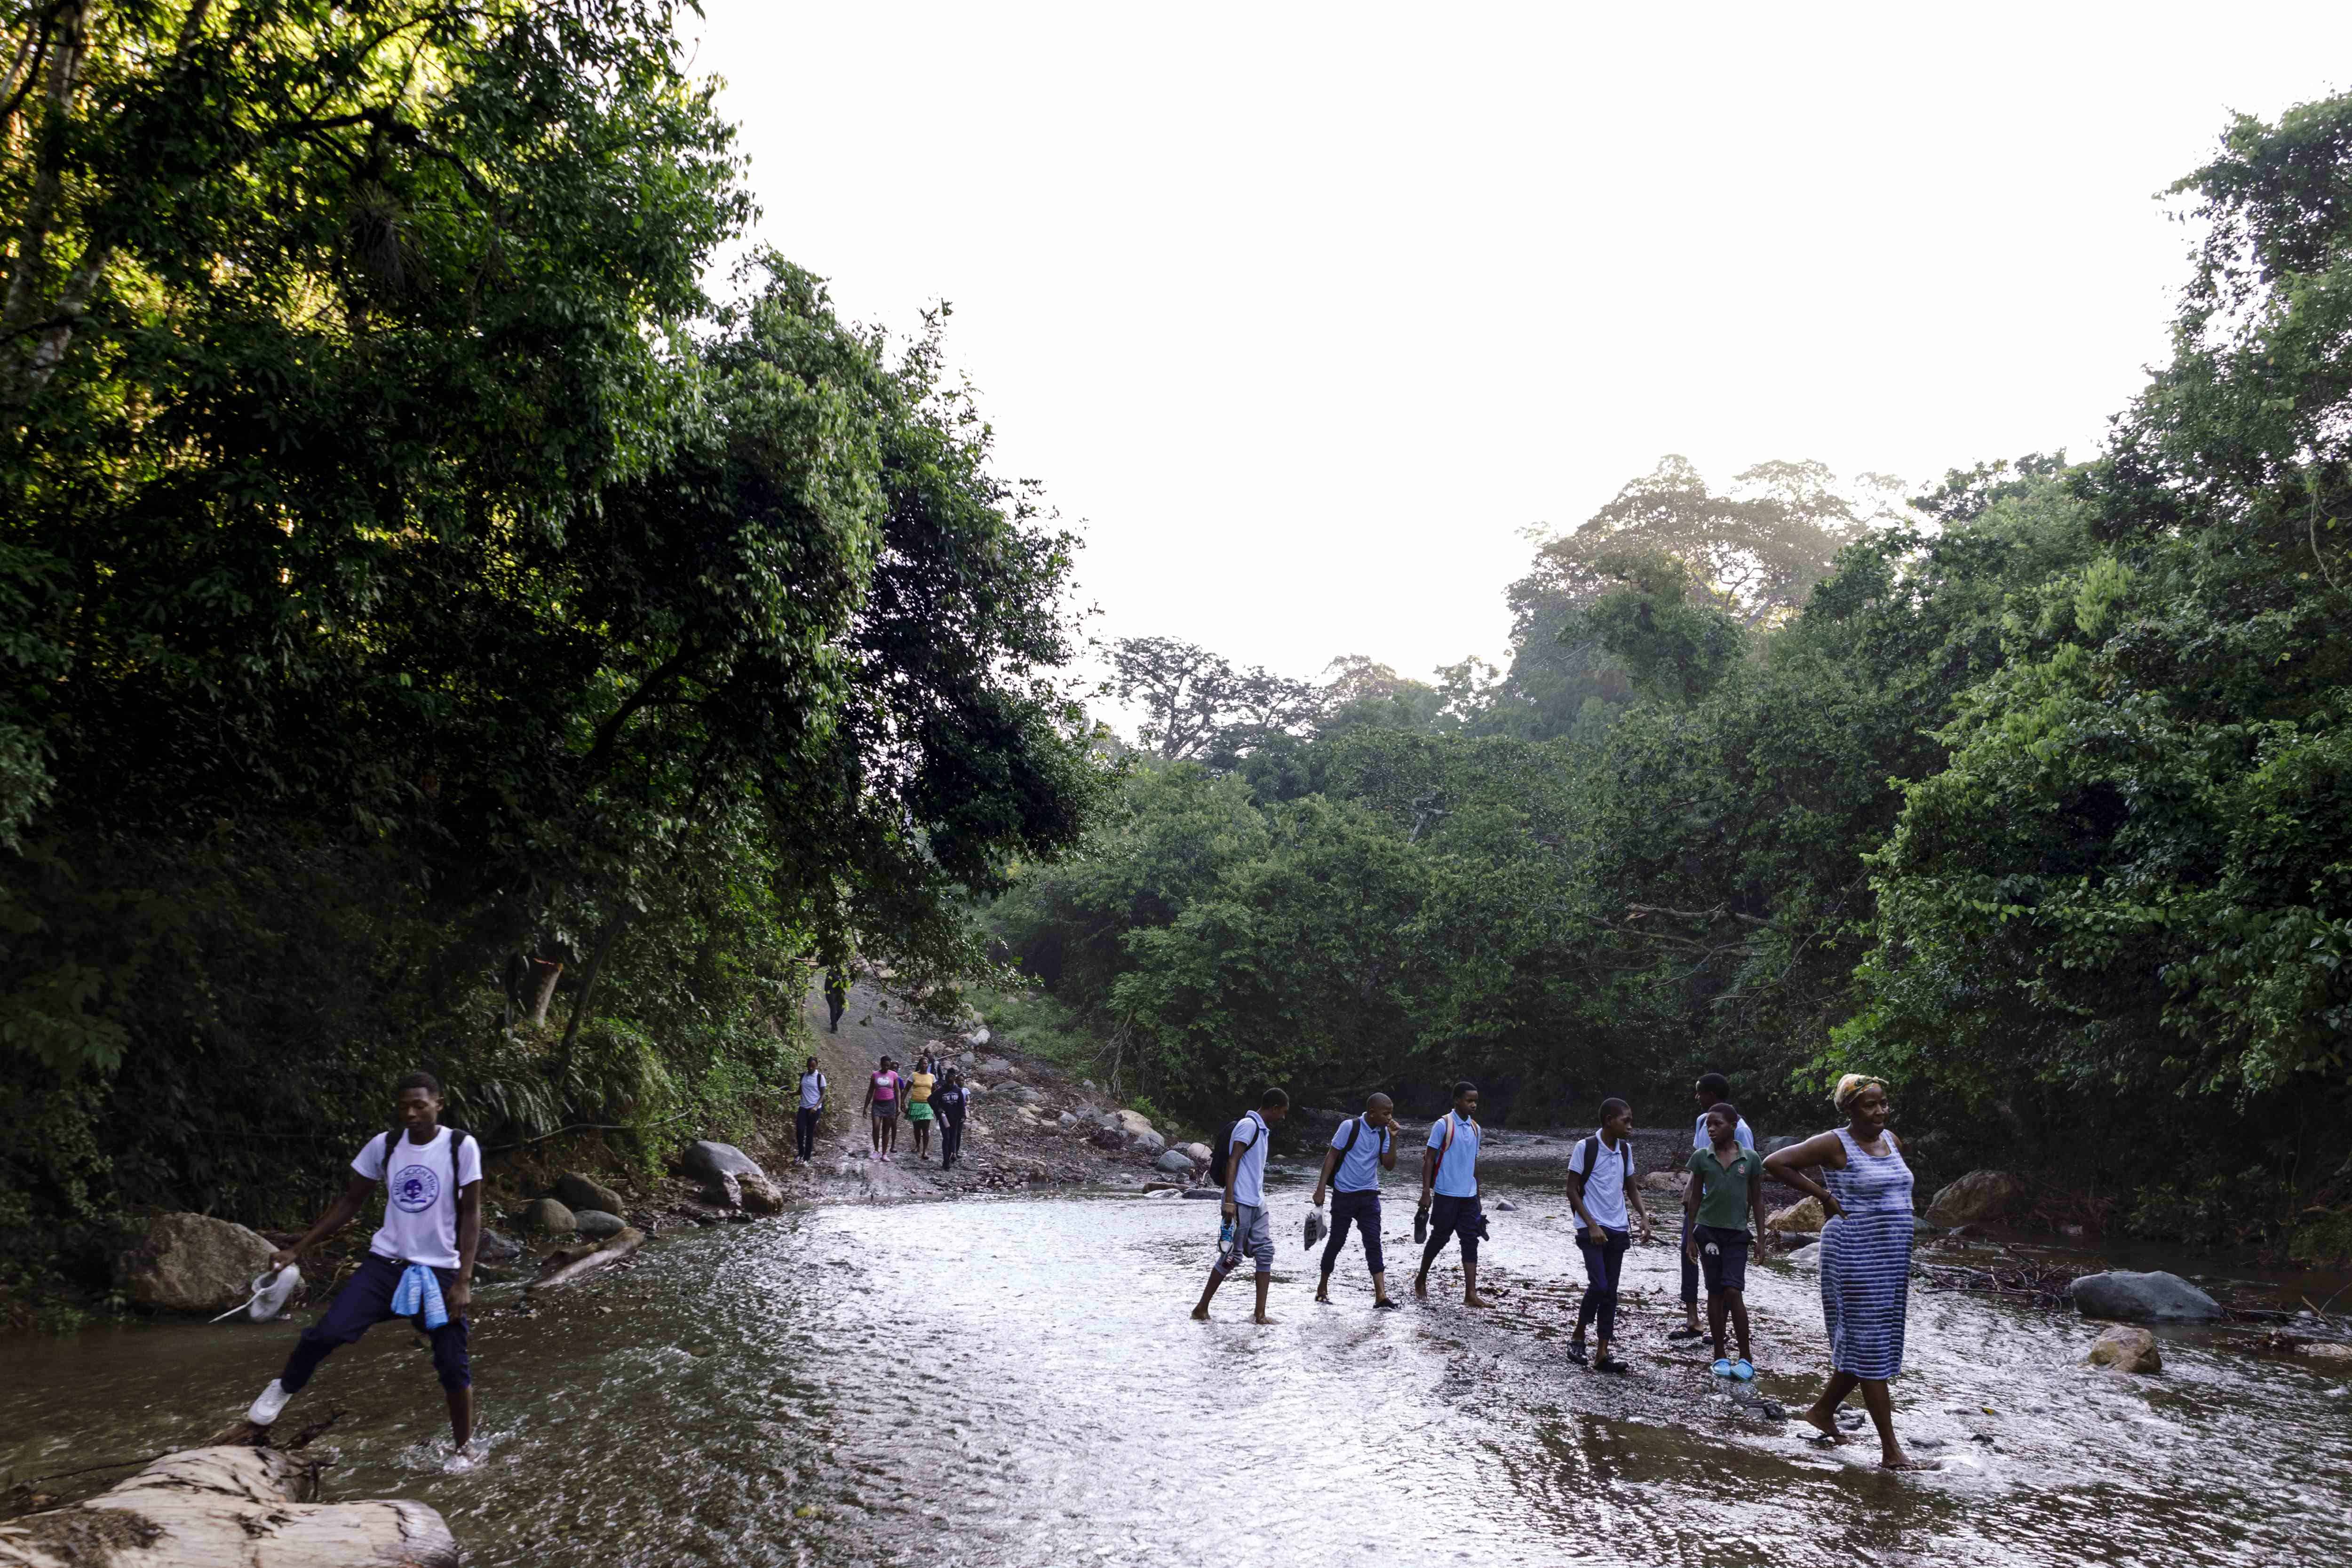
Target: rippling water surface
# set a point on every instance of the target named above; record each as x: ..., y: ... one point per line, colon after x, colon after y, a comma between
x: 1017, y: 1381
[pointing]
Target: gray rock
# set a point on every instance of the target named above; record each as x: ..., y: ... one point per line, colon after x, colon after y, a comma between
x: 1211, y: 1193
x: 707, y: 1160
x: 1976, y: 1197
x: 2155, y: 1298
x: 1149, y: 1144
x: 548, y: 1217
x: 192, y: 1263
x: 1067, y: 1121
x: 1132, y: 1120
x: 996, y: 1065
x: 760, y: 1195
x: 1200, y: 1152
x: 498, y: 1246
x: 1505, y: 1205
x: 724, y: 1191
x: 1175, y: 1162
x: 578, y: 1191
x: 598, y: 1223
x: 2126, y: 1349
x: 1785, y: 1140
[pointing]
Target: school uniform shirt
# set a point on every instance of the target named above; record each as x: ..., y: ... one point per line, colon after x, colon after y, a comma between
x: 1605, y: 1171
x: 1724, y: 1189
x: 812, y: 1090
x: 1458, y: 1174
x: 1744, y: 1138
x: 1249, y: 1170
x: 1359, y: 1167
x: 420, y: 1196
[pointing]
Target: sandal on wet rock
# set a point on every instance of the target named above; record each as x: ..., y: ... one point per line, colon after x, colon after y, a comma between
x: 1575, y: 1353
x: 1687, y: 1334
x: 1610, y: 1363
x: 1742, y: 1370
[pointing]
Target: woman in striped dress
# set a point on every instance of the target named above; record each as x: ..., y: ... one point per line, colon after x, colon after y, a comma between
x: 1866, y: 1257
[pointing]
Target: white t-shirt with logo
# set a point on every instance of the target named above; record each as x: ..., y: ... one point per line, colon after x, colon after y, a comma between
x: 1604, y: 1182
x: 420, y: 1205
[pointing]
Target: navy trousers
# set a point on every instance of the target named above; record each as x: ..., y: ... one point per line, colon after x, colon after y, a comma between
x: 1362, y: 1210
x: 360, y: 1306
x: 1602, y: 1262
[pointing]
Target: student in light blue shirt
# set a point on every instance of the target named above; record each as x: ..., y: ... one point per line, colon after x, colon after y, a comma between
x: 1712, y: 1088
x: 1249, y: 1233
x: 1361, y: 1148
x: 1450, y: 1170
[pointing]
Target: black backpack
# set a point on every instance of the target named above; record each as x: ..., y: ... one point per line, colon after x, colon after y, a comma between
x: 1221, y: 1152
x: 457, y: 1142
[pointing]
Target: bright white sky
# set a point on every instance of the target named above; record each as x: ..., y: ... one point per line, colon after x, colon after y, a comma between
x: 1304, y: 314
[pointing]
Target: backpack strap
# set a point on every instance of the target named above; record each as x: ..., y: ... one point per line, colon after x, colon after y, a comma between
x: 1349, y: 1146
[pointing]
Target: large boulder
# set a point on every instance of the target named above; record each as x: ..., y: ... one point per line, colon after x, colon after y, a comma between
x: 496, y: 1247
x: 549, y: 1217
x: 724, y: 1191
x: 760, y: 1195
x: 1665, y: 1182
x: 994, y: 1066
x: 2155, y: 1298
x: 1976, y: 1197
x: 1785, y: 1140
x: 1803, y: 1215
x: 598, y: 1223
x: 2126, y: 1349
x: 1148, y: 1144
x: 706, y: 1161
x: 1199, y: 1152
x: 1131, y: 1122
x: 578, y: 1191
x: 1175, y: 1162
x: 192, y: 1263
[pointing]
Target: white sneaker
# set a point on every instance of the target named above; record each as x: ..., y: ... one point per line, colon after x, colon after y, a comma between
x: 267, y: 1409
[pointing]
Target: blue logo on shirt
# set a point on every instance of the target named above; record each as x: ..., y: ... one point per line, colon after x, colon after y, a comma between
x: 414, y: 1188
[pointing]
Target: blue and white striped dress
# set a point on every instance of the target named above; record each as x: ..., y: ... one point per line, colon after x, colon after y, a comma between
x: 1866, y: 1261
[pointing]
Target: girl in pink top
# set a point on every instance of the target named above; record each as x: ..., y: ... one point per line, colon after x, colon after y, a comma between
x: 882, y: 1096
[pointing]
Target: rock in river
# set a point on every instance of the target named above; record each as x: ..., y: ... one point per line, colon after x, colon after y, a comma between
x: 2155, y: 1298
x: 2126, y: 1349
x: 707, y: 1162
x: 496, y: 1247
x: 761, y: 1195
x: 548, y: 1217
x: 1978, y: 1196
x: 1149, y: 1143
x: 192, y: 1263
x: 578, y: 1192
x: 1175, y: 1162
x: 598, y: 1223
x: 208, y: 1506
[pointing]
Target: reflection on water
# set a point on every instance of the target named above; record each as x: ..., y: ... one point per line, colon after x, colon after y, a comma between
x: 1017, y: 1381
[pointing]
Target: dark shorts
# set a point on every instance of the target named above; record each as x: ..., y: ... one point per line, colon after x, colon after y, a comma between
x: 886, y: 1111
x: 1725, y: 1268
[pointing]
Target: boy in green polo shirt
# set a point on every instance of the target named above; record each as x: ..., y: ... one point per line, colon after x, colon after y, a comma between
x: 1727, y: 1186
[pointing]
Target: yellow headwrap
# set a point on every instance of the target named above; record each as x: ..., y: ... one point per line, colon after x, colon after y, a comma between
x: 1852, y: 1084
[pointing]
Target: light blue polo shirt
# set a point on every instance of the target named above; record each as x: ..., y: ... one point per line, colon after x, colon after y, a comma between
x: 1457, y: 1176
x: 1699, y: 1140
x: 1359, y: 1167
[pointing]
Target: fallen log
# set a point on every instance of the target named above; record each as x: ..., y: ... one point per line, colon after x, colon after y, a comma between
x: 566, y: 1266
x: 204, y: 1506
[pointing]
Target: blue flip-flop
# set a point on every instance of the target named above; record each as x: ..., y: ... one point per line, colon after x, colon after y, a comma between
x: 1743, y: 1371
x: 1722, y: 1368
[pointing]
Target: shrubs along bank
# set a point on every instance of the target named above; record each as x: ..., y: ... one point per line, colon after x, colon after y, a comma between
x: 446, y: 637
x: 2030, y: 796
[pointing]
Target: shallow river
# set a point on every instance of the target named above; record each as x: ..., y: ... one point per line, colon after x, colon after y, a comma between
x: 1017, y: 1381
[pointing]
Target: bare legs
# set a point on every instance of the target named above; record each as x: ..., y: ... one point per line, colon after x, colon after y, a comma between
x: 461, y: 1415
x: 1732, y: 1304
x: 1823, y: 1417
x: 1201, y: 1311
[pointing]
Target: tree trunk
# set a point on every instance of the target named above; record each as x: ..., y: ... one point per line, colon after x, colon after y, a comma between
x: 206, y: 1507
x: 588, y: 979
x: 544, y: 973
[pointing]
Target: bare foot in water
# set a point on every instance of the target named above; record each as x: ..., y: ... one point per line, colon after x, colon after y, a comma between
x: 1825, y: 1425
x: 1420, y: 1288
x: 1475, y: 1300
x: 1201, y: 1314
x: 1899, y: 1460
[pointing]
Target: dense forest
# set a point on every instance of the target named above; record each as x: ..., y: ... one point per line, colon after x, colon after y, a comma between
x: 2032, y: 793
x: 438, y: 626
x: 433, y: 630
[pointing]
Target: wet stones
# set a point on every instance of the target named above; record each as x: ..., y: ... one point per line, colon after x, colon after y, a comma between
x: 2153, y: 1298
x: 548, y: 1216
x: 579, y: 1191
x: 706, y: 1161
x: 760, y: 1195
x: 1977, y: 1197
x: 1175, y: 1162
x: 598, y: 1223
x: 192, y: 1263
x: 2126, y: 1349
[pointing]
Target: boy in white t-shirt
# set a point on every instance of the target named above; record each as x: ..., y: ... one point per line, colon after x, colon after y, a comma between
x: 1252, y: 1233
x: 420, y: 1264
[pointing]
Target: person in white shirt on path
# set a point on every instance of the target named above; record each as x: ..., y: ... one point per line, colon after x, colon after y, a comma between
x: 1450, y: 1169
x: 1361, y: 1148
x: 1245, y: 1205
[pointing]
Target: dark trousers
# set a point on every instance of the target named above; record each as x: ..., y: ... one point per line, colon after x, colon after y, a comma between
x: 1690, y: 1269
x: 1450, y: 1218
x: 804, y: 1132
x: 1602, y: 1261
x: 360, y: 1306
x: 1362, y: 1210
x: 950, y: 1140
